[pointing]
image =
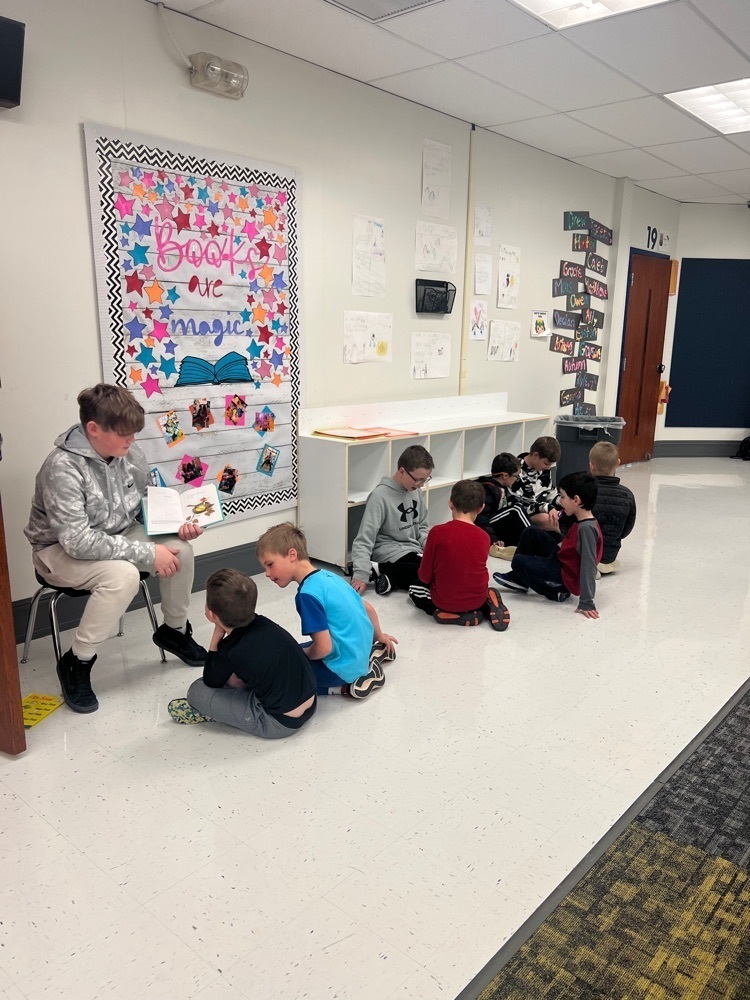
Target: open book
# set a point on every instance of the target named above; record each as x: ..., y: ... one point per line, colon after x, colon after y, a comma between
x: 358, y: 433
x: 165, y: 509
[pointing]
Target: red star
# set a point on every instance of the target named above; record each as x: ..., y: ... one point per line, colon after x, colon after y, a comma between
x: 187, y: 191
x: 263, y: 247
x: 147, y: 313
x: 131, y: 350
x: 264, y: 335
x: 182, y: 219
x: 281, y: 308
x: 280, y: 226
x: 213, y: 229
x: 134, y: 283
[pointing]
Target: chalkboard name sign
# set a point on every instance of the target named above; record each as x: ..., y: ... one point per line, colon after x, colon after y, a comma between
x: 562, y: 345
x: 598, y: 231
x: 585, y: 331
x: 592, y: 317
x: 570, y: 396
x: 565, y: 320
x: 570, y: 269
x: 576, y: 220
x: 573, y: 366
x: 596, y: 288
x: 584, y: 410
x: 579, y: 300
x: 592, y: 352
x: 596, y: 263
x: 582, y: 241
x: 563, y: 286
x: 587, y: 380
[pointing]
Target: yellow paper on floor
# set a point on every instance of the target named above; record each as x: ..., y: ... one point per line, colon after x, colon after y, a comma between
x: 38, y: 706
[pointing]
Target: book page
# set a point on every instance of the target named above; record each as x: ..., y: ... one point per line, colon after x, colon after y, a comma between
x: 201, y: 505
x: 163, y: 513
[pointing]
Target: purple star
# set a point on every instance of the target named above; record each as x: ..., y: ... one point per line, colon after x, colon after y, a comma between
x: 135, y: 328
x: 168, y: 346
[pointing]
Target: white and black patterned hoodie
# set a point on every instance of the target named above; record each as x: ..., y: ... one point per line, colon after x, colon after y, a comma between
x: 534, y: 490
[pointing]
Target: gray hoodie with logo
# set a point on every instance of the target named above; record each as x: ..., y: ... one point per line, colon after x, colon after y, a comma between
x: 85, y: 502
x: 394, y: 523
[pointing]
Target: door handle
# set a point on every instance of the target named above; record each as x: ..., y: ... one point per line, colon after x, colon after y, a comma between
x: 661, y: 369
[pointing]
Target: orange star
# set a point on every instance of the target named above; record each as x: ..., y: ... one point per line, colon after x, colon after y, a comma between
x: 139, y: 190
x: 266, y: 273
x: 154, y: 291
x: 242, y: 203
x: 152, y: 196
x: 149, y: 341
x: 276, y: 380
x: 287, y: 350
x: 259, y: 314
x: 136, y: 375
x: 269, y: 217
x: 236, y: 220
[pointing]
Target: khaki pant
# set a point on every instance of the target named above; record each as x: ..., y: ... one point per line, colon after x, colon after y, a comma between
x: 113, y: 584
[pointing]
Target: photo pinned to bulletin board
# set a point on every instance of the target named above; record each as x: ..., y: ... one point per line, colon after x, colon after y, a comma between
x: 197, y: 280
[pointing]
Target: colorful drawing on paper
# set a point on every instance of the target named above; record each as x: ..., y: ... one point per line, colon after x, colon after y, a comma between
x: 503, y: 341
x: 228, y: 479
x: 197, y: 276
x: 265, y: 421
x: 540, y: 323
x: 478, y: 320
x: 267, y: 460
x: 203, y: 506
x: 508, y: 277
x: 191, y: 471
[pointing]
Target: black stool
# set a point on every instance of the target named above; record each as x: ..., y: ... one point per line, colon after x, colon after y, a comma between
x: 58, y: 592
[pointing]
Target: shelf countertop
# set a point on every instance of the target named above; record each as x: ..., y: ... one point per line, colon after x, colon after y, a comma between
x: 439, y: 427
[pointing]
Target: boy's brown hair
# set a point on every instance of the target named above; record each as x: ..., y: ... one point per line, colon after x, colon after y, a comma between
x: 415, y: 457
x: 546, y: 447
x: 280, y: 538
x: 505, y: 462
x: 112, y: 408
x: 467, y: 496
x: 604, y: 458
x: 232, y: 597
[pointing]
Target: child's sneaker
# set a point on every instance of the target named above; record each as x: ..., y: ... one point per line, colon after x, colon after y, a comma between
x: 509, y: 582
x: 183, y: 712
x: 366, y: 684
x: 497, y: 612
x: 180, y: 644
x: 457, y: 617
x: 75, y: 682
x: 560, y: 596
x: 605, y: 568
x: 379, y: 653
x: 383, y: 585
x: 503, y: 551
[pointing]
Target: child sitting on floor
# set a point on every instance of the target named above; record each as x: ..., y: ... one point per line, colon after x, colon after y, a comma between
x: 503, y: 517
x: 256, y: 677
x: 557, y: 572
x: 347, y: 646
x: 534, y: 491
x: 453, y: 572
x: 615, y: 504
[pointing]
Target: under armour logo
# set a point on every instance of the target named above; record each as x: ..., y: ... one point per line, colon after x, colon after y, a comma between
x: 405, y: 511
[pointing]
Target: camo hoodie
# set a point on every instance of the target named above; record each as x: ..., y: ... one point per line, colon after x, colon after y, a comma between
x: 85, y: 502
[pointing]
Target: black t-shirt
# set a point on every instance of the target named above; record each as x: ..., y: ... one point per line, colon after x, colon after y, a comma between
x: 270, y: 662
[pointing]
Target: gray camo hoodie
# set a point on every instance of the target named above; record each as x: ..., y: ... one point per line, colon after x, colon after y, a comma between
x: 85, y: 503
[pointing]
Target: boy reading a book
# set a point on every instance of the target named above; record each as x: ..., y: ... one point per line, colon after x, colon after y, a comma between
x: 84, y: 535
x: 256, y: 677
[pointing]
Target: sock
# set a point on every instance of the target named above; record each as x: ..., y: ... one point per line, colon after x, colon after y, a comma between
x: 180, y: 628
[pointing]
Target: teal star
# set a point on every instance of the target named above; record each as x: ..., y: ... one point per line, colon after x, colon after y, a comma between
x: 138, y: 255
x: 202, y: 193
x: 125, y: 228
x: 145, y: 356
x: 168, y: 367
x: 254, y: 350
x: 245, y: 316
x: 173, y: 295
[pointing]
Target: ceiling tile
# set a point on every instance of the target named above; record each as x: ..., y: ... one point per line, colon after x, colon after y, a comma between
x: 459, y: 27
x: 730, y: 16
x: 633, y: 163
x: 321, y: 34
x: 183, y: 6
x: 560, y: 135
x: 684, y: 188
x: 733, y: 180
x: 702, y: 156
x: 663, y: 48
x: 643, y: 122
x: 741, y: 139
x: 727, y: 199
x: 551, y: 70
x: 454, y: 90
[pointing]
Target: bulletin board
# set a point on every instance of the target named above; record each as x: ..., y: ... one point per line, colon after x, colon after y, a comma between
x: 197, y: 280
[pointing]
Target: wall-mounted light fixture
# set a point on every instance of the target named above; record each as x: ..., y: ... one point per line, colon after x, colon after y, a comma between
x: 220, y: 76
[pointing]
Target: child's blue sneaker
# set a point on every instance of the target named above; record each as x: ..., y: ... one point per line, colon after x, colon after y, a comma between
x: 509, y: 582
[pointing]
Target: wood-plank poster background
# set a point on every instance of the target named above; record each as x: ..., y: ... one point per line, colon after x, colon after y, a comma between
x: 196, y: 264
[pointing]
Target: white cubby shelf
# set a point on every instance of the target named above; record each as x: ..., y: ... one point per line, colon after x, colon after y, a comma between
x: 336, y: 475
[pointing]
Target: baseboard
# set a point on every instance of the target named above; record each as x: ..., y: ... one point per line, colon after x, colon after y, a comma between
x: 69, y: 609
x: 695, y: 449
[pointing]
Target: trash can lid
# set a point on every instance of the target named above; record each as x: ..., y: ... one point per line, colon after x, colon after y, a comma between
x: 590, y: 421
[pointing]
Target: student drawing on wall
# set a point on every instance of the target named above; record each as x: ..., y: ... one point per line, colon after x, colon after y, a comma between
x: 228, y: 480
x: 191, y: 470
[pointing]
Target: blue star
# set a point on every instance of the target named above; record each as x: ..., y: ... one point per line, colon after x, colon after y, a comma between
x: 278, y: 280
x: 139, y: 255
x: 255, y: 349
x: 159, y: 189
x: 135, y: 328
x: 168, y: 367
x: 168, y: 346
x: 202, y: 193
x: 275, y: 324
x: 124, y: 241
x: 213, y: 207
x: 243, y: 274
x: 277, y: 358
x: 238, y: 239
x: 142, y: 226
x: 165, y: 312
x: 255, y: 285
x: 173, y: 295
x: 127, y: 266
x: 169, y: 185
x: 125, y: 227
x: 191, y: 180
x: 137, y: 172
x: 145, y: 356
x: 259, y: 203
x: 243, y: 191
x: 257, y: 385
x: 245, y: 316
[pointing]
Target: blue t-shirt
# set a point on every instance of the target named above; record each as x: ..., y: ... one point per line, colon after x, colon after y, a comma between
x: 326, y: 603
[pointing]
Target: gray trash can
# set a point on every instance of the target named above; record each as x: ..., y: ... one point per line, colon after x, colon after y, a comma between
x: 577, y: 436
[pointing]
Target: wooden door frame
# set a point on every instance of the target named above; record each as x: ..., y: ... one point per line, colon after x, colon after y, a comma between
x: 633, y: 252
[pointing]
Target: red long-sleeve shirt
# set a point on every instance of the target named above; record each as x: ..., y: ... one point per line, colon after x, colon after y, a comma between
x: 454, y: 566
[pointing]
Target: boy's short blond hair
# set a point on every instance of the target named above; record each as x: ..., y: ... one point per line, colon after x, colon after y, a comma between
x: 232, y: 597
x: 604, y: 458
x: 112, y: 408
x: 280, y: 539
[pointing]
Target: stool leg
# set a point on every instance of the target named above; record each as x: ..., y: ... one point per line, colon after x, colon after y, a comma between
x: 121, y: 631
x: 151, y: 614
x: 55, y: 624
x: 31, y: 623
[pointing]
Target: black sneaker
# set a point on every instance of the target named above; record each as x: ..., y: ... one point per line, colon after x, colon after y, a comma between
x: 366, y: 684
x: 383, y: 585
x: 381, y: 654
x: 509, y: 582
x: 75, y: 681
x: 182, y: 645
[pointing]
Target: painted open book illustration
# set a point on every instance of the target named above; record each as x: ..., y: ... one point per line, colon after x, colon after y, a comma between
x: 358, y: 433
x: 230, y: 368
x: 165, y: 509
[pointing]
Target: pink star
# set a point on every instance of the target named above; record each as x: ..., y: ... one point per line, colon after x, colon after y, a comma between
x: 125, y: 178
x: 250, y: 230
x: 268, y: 199
x: 279, y: 253
x: 200, y: 220
x: 146, y: 209
x: 264, y: 369
x: 132, y: 306
x: 148, y: 180
x: 160, y: 330
x: 124, y: 205
x: 233, y: 198
x: 147, y: 272
x: 282, y: 196
x: 253, y: 190
x: 227, y: 212
x: 269, y: 296
x: 224, y: 186
x: 150, y: 386
x: 164, y: 208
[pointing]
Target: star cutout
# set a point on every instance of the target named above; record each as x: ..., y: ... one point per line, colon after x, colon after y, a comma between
x: 135, y: 375
x: 168, y: 367
x: 263, y: 247
x: 183, y: 220
x: 264, y: 335
x: 254, y: 190
x: 269, y: 296
x: 276, y: 380
x: 148, y: 179
x: 281, y: 309
x: 282, y: 196
x: 164, y: 208
x: 130, y: 350
x: 137, y: 172
x: 145, y: 356
x: 148, y: 272
x: 278, y: 280
x: 168, y: 346
x: 165, y: 312
x: 213, y: 207
x: 259, y: 313
x: 213, y: 229
x: 245, y: 316
x: 125, y: 179
x: 135, y: 328
x: 150, y: 386
x: 134, y: 283
x: 202, y: 193
x: 254, y: 350
x: 139, y: 190
x: 138, y: 255
x: 187, y: 192
x: 125, y: 228
x: 277, y: 358
x: 173, y: 295
x: 142, y: 226
x: 264, y: 369
x: 154, y: 292
x: 148, y: 313
x: 279, y: 253
x: 269, y: 217
x: 124, y: 205
x: 160, y: 330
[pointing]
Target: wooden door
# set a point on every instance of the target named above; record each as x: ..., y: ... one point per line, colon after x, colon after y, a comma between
x: 641, y: 363
x: 12, y: 733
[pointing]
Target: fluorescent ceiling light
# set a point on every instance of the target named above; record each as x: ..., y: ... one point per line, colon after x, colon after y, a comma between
x: 725, y: 106
x: 566, y: 13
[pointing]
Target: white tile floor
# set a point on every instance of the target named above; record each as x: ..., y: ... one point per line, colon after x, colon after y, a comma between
x: 389, y: 850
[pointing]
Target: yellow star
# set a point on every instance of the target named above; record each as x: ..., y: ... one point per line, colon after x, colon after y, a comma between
x: 269, y: 217
x: 266, y: 273
x: 259, y: 314
x: 154, y: 291
x: 136, y: 375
